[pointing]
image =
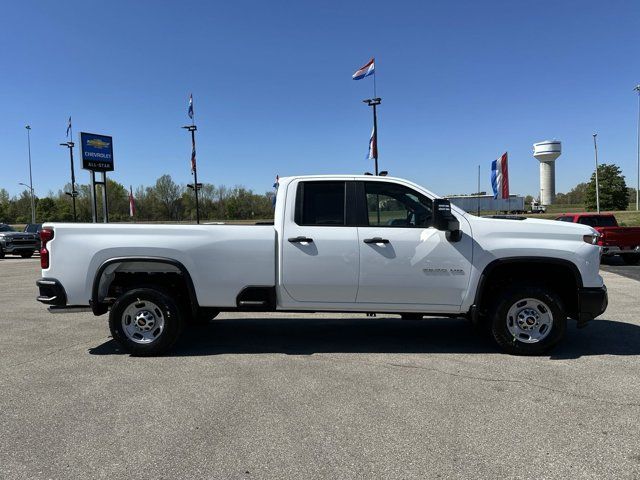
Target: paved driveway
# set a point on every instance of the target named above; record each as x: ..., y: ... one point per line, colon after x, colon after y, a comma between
x: 303, y: 397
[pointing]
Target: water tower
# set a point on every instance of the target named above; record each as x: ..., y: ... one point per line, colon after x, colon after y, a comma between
x: 546, y: 153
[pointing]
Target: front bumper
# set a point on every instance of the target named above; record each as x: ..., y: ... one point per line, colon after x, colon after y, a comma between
x: 591, y: 303
x: 51, y: 292
x: 18, y: 248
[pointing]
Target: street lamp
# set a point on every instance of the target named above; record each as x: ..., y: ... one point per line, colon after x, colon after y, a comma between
x: 637, y: 89
x: 33, y: 205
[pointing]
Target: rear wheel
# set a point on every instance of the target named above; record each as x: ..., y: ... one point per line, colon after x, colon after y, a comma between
x: 631, y: 259
x: 528, y: 320
x: 145, y: 321
x: 26, y: 254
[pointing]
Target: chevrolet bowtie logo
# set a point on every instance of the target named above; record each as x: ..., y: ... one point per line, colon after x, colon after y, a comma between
x: 97, y: 143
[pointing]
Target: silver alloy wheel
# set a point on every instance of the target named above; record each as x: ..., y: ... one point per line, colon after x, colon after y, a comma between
x: 142, y: 321
x: 529, y: 320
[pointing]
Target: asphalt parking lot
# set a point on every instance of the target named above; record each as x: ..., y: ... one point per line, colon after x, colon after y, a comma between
x: 324, y: 396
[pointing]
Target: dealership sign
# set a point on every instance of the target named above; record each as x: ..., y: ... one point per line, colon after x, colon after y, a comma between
x: 97, y: 152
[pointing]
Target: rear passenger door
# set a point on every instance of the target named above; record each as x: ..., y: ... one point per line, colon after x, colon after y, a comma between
x: 320, y: 257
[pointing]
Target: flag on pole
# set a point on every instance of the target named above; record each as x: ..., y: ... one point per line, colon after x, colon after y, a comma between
x: 500, y: 177
x: 365, y: 70
x: 190, y: 111
x: 373, y: 145
x: 193, y: 154
x: 275, y: 188
x: 68, y: 127
x: 132, y: 202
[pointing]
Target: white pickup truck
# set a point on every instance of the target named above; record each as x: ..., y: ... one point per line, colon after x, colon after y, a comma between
x: 338, y: 243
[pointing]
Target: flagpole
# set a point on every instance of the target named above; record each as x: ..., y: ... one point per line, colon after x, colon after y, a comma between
x: 194, y: 164
x: 73, y: 194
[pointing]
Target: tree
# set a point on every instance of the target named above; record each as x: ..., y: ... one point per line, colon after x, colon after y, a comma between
x: 613, y: 189
x: 168, y: 194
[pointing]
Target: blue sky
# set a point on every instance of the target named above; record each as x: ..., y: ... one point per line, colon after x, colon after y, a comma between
x: 461, y: 82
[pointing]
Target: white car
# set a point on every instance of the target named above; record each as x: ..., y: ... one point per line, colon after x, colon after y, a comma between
x: 339, y: 243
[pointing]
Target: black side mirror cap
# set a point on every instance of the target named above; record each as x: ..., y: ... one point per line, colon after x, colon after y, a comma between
x: 446, y: 221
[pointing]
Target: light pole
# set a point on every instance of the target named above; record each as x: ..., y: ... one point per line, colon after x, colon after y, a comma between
x: 373, y: 102
x: 33, y: 205
x: 637, y: 89
x: 595, y: 148
x: 31, y: 197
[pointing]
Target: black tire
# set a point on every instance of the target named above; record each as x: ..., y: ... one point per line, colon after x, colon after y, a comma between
x: 1, y: 253
x: 499, y: 321
x: 411, y: 316
x: 26, y: 254
x: 631, y: 259
x: 167, y: 310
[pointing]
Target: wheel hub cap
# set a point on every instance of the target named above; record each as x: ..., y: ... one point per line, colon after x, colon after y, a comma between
x: 142, y: 321
x: 529, y: 320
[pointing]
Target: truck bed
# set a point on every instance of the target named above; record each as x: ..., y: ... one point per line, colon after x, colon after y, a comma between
x: 221, y: 259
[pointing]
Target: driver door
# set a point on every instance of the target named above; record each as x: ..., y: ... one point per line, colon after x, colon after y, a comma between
x: 403, y: 258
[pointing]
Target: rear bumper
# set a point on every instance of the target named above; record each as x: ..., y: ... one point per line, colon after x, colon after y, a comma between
x: 591, y: 303
x: 51, y: 292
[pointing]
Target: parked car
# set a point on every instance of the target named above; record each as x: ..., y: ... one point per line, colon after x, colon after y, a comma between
x: 35, y: 229
x: 338, y: 244
x: 16, y: 243
x: 614, y: 240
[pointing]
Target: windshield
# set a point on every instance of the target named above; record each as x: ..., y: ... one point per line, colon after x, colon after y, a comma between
x: 6, y: 228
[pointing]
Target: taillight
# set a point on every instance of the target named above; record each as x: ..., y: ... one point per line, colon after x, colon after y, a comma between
x: 46, y: 234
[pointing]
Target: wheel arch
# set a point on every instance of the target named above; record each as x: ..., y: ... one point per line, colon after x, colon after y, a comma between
x: 100, y: 282
x: 504, y: 268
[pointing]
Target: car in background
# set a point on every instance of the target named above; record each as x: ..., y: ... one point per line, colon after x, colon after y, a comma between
x: 17, y: 243
x: 34, y: 228
x: 614, y: 239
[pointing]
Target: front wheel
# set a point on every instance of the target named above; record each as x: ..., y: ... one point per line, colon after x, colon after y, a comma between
x: 145, y: 321
x: 528, y: 320
x: 26, y: 254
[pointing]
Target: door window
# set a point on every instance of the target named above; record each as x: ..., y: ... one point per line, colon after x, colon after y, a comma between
x: 393, y: 205
x: 320, y: 203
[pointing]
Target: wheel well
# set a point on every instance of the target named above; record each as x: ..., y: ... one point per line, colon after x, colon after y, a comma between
x: 117, y: 276
x: 563, y: 278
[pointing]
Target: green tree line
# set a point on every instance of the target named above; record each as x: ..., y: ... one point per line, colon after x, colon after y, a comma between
x: 164, y: 201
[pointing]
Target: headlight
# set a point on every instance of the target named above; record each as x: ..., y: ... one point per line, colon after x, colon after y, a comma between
x: 592, y: 238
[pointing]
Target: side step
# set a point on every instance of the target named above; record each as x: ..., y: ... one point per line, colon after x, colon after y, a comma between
x: 69, y: 309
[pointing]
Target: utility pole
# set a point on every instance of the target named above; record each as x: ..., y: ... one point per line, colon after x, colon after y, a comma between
x: 373, y: 102
x: 637, y: 89
x: 33, y: 204
x: 595, y: 147
x: 73, y: 193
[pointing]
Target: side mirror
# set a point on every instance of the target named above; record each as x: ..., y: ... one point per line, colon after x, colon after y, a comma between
x: 446, y: 221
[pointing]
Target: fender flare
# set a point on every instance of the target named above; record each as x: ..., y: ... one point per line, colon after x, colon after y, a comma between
x: 509, y: 260
x: 100, y: 308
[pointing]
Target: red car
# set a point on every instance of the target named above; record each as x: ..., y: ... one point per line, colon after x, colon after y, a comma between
x: 615, y: 240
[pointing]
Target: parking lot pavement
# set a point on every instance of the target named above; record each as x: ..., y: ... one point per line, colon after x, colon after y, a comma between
x: 323, y: 396
x: 615, y: 265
